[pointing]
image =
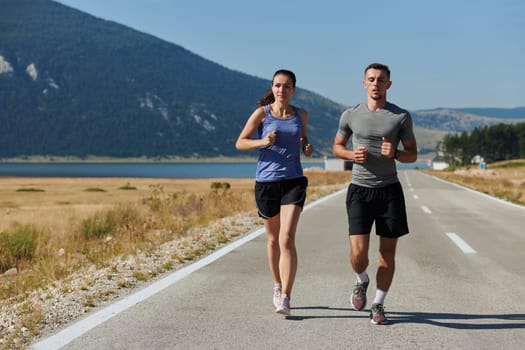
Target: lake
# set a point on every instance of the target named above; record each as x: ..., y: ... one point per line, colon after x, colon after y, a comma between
x: 147, y: 170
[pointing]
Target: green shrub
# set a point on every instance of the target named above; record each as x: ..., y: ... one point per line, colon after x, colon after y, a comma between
x: 30, y: 190
x: 95, y: 189
x: 511, y: 164
x: 106, y: 223
x: 219, y: 185
x: 16, y: 246
x: 96, y: 227
x: 127, y: 187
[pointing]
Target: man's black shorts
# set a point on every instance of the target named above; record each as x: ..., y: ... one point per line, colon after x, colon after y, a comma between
x: 269, y: 196
x: 385, y: 206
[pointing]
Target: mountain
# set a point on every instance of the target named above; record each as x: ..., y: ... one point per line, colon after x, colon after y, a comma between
x: 498, y: 113
x: 466, y: 119
x: 72, y: 84
x: 432, y: 125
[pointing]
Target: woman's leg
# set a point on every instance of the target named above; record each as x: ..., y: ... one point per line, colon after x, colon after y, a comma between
x: 288, y: 260
x: 272, y: 227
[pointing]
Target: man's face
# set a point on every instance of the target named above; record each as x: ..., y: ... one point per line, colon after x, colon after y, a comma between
x: 376, y: 83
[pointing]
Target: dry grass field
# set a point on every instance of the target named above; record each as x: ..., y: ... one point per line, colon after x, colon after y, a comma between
x: 505, y: 180
x: 43, y: 217
x: 58, y: 203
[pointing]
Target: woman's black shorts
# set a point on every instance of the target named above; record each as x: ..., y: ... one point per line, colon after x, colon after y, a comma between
x: 385, y: 206
x: 269, y: 196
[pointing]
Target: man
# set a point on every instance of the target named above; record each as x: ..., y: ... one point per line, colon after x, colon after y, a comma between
x: 375, y: 194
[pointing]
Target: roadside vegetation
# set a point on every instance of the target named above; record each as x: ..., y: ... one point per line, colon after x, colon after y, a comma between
x: 494, y: 143
x: 39, y: 247
x: 505, y: 180
x: 55, y: 235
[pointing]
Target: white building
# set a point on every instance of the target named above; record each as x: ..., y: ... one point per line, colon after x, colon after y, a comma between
x: 336, y: 164
x: 439, y: 164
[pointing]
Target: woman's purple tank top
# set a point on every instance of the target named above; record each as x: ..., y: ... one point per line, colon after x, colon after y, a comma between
x: 282, y: 160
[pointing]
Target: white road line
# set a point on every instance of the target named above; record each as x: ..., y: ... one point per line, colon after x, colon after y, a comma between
x: 416, y: 196
x: 77, y: 329
x: 409, y: 184
x: 426, y: 209
x: 461, y: 243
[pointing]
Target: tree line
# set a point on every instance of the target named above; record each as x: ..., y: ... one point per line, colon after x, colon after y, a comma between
x: 491, y: 143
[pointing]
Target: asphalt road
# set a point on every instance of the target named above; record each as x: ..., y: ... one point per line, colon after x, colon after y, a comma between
x: 459, y: 284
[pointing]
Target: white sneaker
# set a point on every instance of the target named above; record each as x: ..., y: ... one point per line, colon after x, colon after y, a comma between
x: 277, y: 295
x: 284, y: 307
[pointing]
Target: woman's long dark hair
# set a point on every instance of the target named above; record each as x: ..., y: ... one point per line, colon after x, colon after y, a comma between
x: 268, y: 97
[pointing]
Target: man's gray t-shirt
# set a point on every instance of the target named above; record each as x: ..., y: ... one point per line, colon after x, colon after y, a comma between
x: 367, y: 128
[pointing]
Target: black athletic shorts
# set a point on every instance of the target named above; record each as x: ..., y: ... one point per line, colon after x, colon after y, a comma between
x: 269, y: 196
x: 385, y: 206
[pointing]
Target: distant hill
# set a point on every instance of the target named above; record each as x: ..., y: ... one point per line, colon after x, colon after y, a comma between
x: 498, y: 113
x: 433, y: 125
x: 454, y: 120
x: 72, y: 84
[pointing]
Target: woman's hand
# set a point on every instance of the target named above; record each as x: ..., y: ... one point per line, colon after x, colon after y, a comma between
x: 308, y: 149
x: 269, y: 139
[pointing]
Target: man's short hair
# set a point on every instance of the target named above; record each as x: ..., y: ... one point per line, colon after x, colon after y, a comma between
x: 379, y: 66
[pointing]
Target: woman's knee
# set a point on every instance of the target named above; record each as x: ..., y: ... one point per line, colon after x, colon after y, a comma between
x: 287, y: 242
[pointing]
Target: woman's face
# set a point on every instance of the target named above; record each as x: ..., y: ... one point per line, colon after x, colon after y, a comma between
x: 282, y: 88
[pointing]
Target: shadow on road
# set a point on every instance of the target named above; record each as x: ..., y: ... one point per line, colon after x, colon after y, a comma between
x: 348, y: 313
x: 447, y: 320
x: 460, y: 321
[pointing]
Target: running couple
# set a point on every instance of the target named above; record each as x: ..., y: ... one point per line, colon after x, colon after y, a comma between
x: 374, y: 194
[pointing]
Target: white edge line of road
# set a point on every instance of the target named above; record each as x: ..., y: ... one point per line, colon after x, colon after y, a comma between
x: 480, y: 193
x: 80, y: 327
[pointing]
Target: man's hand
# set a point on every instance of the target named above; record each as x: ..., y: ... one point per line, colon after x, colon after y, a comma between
x: 387, y: 148
x: 360, y: 154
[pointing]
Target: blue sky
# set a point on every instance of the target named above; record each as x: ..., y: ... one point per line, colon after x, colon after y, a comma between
x: 442, y: 53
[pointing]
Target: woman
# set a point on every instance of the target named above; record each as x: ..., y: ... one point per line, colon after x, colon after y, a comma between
x: 280, y: 187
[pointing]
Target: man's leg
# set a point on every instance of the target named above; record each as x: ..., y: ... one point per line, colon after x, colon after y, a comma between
x: 359, y: 260
x: 359, y: 252
x: 386, y: 268
x: 385, y: 274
